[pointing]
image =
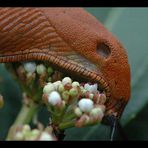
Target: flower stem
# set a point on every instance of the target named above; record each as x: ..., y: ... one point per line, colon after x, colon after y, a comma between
x: 24, y: 117
x: 66, y: 125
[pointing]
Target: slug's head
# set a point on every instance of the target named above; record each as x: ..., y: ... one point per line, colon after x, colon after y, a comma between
x: 99, y: 54
x: 74, y: 41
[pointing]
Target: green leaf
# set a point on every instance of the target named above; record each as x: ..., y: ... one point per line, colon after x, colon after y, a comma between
x: 131, y: 29
x: 12, y: 101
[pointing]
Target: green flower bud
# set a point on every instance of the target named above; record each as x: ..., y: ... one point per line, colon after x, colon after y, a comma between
x: 48, y: 88
x: 40, y: 69
x: 73, y: 92
x: 61, y: 88
x: 66, y: 80
x: 26, y: 130
x: 19, y: 136
x: 56, y: 84
x: 97, y: 113
x: 50, y: 70
x: 34, y: 134
x: 83, y: 91
x: 49, y: 79
x: 65, y: 95
x: 78, y: 112
x: 75, y: 84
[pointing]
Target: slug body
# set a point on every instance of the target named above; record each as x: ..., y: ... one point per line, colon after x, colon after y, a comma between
x: 71, y: 39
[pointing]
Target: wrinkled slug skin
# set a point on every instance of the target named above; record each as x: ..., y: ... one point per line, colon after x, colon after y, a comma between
x: 62, y: 31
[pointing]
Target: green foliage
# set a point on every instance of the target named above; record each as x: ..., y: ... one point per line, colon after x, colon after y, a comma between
x: 130, y: 26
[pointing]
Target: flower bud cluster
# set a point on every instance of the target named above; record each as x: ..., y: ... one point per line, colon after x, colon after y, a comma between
x: 25, y: 133
x: 84, y: 101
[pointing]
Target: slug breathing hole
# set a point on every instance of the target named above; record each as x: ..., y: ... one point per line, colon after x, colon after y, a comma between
x: 103, y: 50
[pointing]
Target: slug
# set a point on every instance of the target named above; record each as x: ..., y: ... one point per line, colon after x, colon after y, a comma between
x: 72, y: 40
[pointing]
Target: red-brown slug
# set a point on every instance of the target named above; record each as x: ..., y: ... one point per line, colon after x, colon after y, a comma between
x: 72, y: 40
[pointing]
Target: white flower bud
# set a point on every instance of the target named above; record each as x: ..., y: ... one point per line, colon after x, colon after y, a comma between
x: 46, y: 137
x: 66, y: 80
x: 48, y: 88
x: 56, y: 84
x: 30, y: 67
x: 78, y: 112
x: 19, y: 136
x: 97, y: 113
x: 86, y: 105
x: 26, y: 128
x: 75, y: 84
x: 86, y: 86
x: 91, y: 88
x: 35, y: 132
x: 54, y: 98
x: 40, y: 69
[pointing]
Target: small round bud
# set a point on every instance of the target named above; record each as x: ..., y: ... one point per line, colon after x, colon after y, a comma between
x: 91, y: 96
x: 35, y: 132
x: 61, y: 88
x: 83, y: 91
x: 30, y: 67
x: 102, y: 99
x: 86, y: 105
x: 40, y: 69
x: 50, y: 70
x: 26, y: 128
x: 102, y: 107
x: 56, y: 84
x: 66, y: 80
x: 75, y: 84
x: 63, y: 104
x: 97, y: 113
x: 78, y: 112
x: 84, y: 119
x: 33, y: 135
x: 54, y: 98
x: 49, y: 79
x: 65, y: 95
x: 73, y: 92
x: 48, y: 88
x: 45, y: 137
x: 19, y: 136
x: 1, y: 101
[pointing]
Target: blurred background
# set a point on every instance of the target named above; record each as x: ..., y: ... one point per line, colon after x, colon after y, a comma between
x: 130, y: 26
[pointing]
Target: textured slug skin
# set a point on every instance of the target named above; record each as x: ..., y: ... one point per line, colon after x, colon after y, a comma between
x: 62, y: 32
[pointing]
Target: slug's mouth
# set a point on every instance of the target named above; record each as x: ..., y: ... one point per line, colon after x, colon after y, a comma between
x: 45, y: 74
x: 77, y: 72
